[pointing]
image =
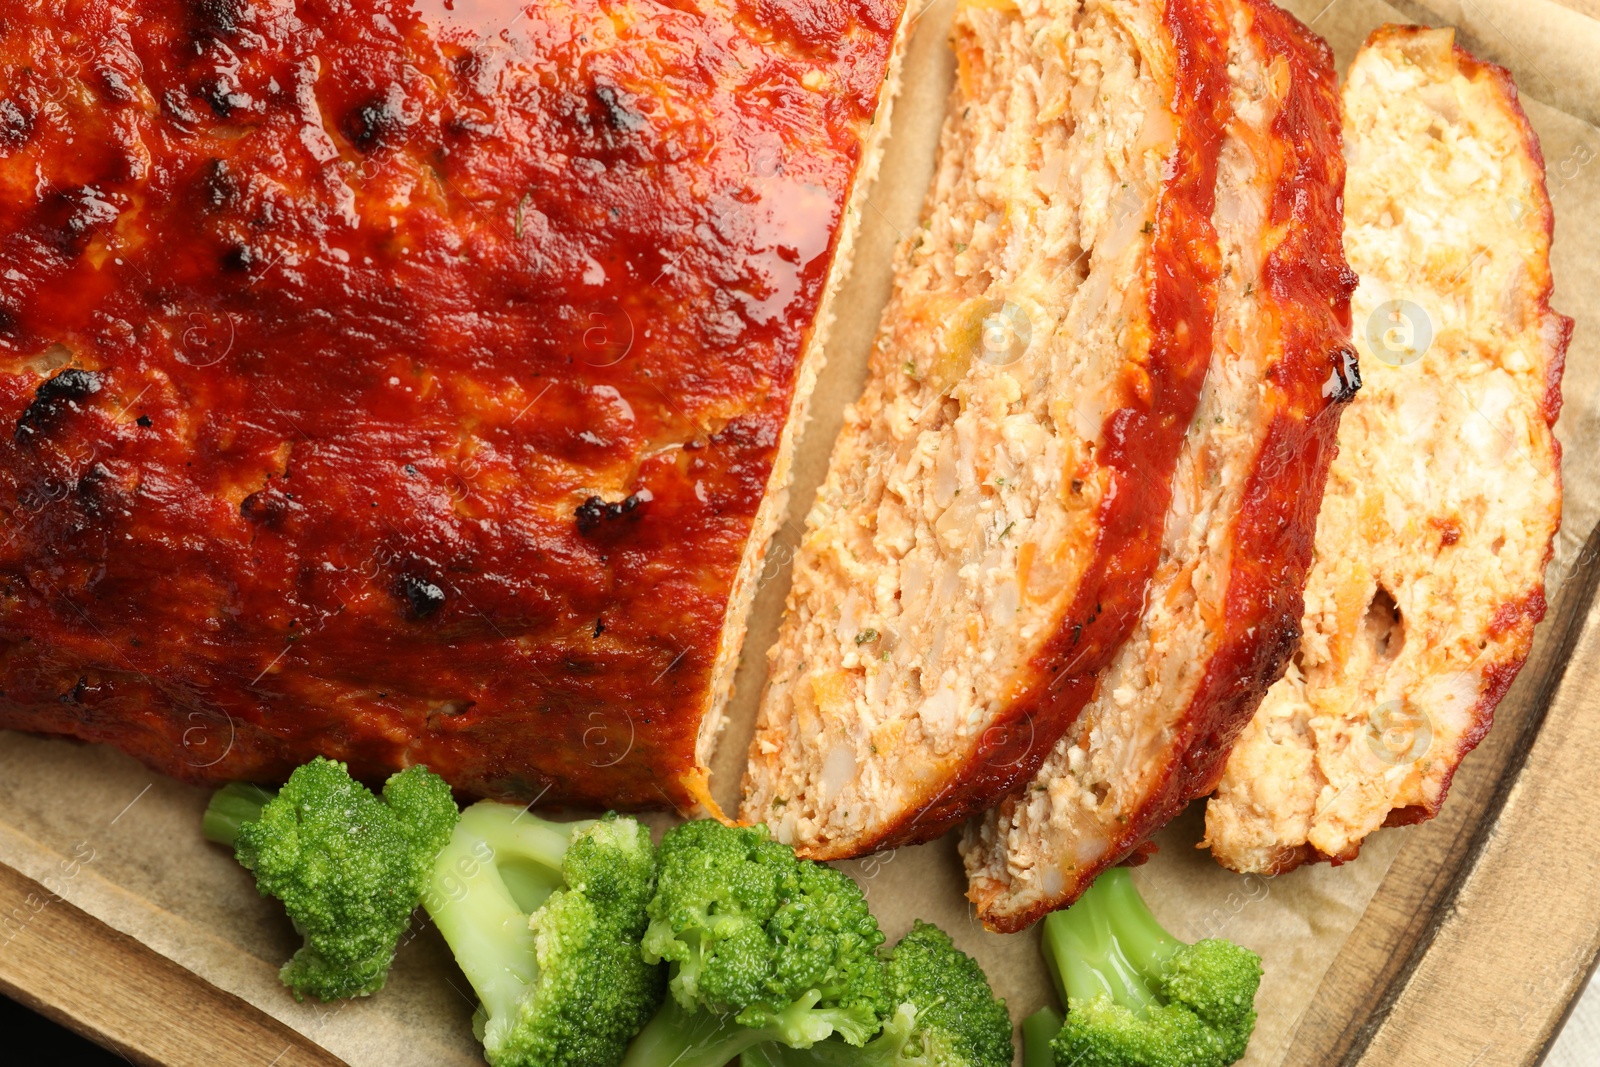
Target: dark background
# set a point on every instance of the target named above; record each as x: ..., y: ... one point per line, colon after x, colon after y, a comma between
x: 36, y: 1040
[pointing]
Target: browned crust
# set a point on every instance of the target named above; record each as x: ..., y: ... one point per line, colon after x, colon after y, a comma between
x: 1306, y: 301
x: 526, y: 319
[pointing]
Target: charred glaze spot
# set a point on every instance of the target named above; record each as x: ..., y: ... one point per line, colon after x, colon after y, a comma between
x: 54, y: 396
x: 374, y: 125
x: 467, y: 67
x: 73, y: 383
x: 265, y: 507
x: 606, y: 121
x: 590, y: 514
x: 90, y: 489
x: 221, y: 96
x: 594, y: 513
x: 218, y: 186
x: 618, y: 115
x: 1345, y: 381
x: 175, y: 104
x: 144, y: 422
x: 240, y: 258
x: 421, y: 597
x: 469, y: 124
x: 16, y: 125
x: 91, y: 480
x: 599, y: 626
x: 217, y: 18
x: 115, y: 86
x: 72, y: 216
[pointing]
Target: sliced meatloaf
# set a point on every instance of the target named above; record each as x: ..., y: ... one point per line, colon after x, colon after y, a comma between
x: 983, y: 541
x: 1446, y: 495
x: 412, y: 386
x: 1221, y: 614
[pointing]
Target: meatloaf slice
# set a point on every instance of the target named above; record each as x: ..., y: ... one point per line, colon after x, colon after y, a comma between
x: 1220, y: 617
x: 1446, y: 496
x: 983, y: 540
x: 410, y: 390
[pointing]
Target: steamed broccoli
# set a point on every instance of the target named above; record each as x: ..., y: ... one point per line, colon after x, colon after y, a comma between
x: 947, y: 1016
x: 1136, y: 996
x: 761, y: 946
x: 348, y: 867
x: 545, y: 920
x: 1038, y: 1031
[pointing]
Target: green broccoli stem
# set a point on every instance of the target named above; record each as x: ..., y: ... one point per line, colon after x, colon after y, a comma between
x: 678, y: 1037
x: 1108, y: 942
x: 231, y: 807
x: 497, y: 868
x: 1038, y: 1031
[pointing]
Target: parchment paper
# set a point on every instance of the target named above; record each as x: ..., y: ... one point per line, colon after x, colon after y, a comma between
x: 124, y: 845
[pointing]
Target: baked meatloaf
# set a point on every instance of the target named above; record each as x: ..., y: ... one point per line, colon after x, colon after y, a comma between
x: 983, y: 541
x: 406, y: 391
x: 1221, y: 614
x: 1446, y: 495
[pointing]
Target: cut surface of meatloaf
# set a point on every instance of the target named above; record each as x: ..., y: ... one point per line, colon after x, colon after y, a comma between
x: 410, y: 391
x: 982, y: 542
x: 1221, y: 613
x: 1446, y: 495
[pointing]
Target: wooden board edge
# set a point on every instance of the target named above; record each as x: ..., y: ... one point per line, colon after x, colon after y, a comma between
x: 1516, y: 932
x: 1399, y: 922
x: 74, y: 969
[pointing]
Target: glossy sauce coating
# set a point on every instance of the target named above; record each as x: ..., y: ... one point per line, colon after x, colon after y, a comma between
x: 1305, y: 301
x: 401, y: 384
x: 1170, y: 743
x: 1141, y: 442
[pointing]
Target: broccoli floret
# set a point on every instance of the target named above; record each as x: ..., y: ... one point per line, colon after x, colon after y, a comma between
x: 348, y: 867
x: 1138, y: 997
x: 545, y: 920
x: 947, y: 1016
x: 956, y: 1020
x: 760, y: 946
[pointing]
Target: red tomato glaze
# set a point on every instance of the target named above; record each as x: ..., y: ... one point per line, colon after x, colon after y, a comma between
x: 401, y: 384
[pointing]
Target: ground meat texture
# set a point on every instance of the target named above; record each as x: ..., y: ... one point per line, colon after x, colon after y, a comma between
x: 1220, y: 616
x: 983, y: 540
x: 1444, y: 502
x: 357, y: 361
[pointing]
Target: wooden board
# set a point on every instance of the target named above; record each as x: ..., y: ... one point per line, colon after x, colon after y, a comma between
x: 1488, y: 923
x: 73, y: 968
